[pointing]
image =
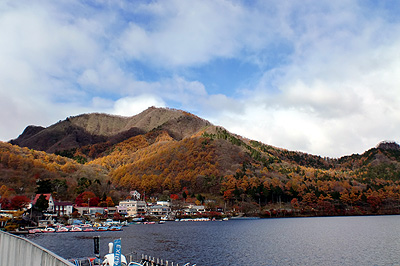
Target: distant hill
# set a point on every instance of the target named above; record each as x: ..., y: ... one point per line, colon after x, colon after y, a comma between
x: 163, y: 152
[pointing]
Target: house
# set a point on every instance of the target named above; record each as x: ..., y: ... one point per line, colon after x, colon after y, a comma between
x: 111, y: 210
x: 63, y: 208
x: 90, y: 210
x: 123, y: 210
x: 159, y: 210
x: 132, y: 207
x: 94, y: 210
x: 164, y: 203
x: 85, y: 210
x: 49, y: 198
x: 194, y: 209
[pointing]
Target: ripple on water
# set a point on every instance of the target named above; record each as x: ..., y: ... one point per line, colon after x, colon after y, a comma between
x: 369, y: 240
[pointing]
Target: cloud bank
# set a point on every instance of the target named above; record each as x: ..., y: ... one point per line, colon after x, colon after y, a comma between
x: 316, y: 76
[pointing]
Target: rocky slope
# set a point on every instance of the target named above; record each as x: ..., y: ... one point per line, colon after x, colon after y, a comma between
x: 89, y: 129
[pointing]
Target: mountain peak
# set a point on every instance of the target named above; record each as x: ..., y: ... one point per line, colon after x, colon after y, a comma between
x: 388, y: 145
x: 92, y: 128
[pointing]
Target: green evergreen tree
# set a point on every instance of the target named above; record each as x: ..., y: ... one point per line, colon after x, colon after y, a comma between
x: 44, y: 186
x: 42, y: 203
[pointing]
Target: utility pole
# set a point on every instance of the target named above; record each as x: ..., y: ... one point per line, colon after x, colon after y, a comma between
x: 88, y: 204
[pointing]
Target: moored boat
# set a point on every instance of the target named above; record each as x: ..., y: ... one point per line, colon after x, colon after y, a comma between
x: 96, y: 225
x: 62, y: 229
x: 34, y: 231
x: 48, y: 230
x: 76, y: 229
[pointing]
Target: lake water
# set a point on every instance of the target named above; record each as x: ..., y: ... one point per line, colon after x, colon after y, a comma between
x: 368, y: 240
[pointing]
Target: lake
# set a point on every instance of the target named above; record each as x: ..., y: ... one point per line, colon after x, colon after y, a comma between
x: 362, y: 240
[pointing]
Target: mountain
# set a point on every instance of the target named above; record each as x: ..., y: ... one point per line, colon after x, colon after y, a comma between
x: 89, y: 129
x: 168, y: 153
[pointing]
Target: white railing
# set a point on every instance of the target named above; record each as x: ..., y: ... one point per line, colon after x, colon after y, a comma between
x: 18, y: 251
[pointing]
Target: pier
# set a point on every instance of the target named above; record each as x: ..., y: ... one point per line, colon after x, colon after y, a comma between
x: 17, y: 251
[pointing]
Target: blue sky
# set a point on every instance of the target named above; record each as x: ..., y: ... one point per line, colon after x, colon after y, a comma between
x: 320, y: 77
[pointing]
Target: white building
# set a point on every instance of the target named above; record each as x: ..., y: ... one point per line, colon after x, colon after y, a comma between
x: 63, y: 208
x: 95, y: 210
x: 159, y: 210
x: 132, y: 207
x: 49, y: 198
x: 164, y: 203
x: 90, y: 210
x: 194, y: 209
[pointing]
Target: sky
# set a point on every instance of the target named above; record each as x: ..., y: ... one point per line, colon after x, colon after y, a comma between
x: 316, y: 76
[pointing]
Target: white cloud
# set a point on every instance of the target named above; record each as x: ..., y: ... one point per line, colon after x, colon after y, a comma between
x: 107, y: 75
x: 188, y: 33
x: 39, y: 55
x: 337, y: 95
x: 129, y: 106
x: 39, y: 38
x: 329, y: 69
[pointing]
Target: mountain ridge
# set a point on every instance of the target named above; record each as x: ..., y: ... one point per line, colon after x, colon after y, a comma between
x: 89, y: 129
x: 165, y: 151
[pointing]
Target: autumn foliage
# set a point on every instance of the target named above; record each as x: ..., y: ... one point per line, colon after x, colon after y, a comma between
x: 167, y: 165
x: 244, y: 175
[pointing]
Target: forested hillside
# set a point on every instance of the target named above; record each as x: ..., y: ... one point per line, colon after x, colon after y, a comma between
x: 24, y: 172
x: 164, y: 153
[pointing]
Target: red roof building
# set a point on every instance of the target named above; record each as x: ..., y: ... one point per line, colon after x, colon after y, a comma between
x: 49, y: 198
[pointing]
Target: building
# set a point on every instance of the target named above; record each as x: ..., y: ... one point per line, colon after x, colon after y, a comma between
x: 132, y: 207
x: 123, y: 210
x: 90, y: 210
x: 111, y: 210
x: 159, y: 210
x: 164, y: 203
x: 62, y: 208
x: 49, y: 198
x: 194, y: 209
